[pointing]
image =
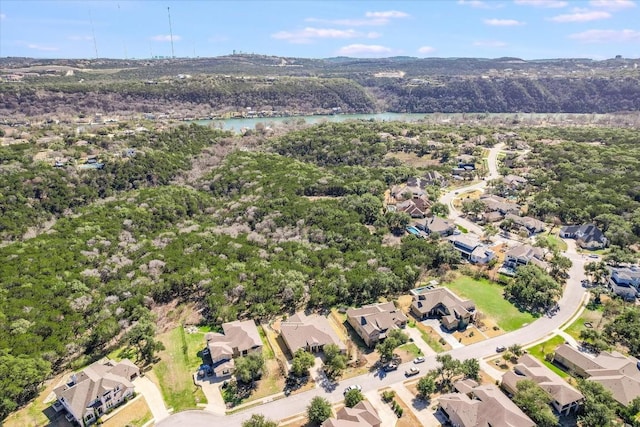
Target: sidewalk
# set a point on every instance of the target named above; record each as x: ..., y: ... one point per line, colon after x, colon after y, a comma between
x: 414, y: 334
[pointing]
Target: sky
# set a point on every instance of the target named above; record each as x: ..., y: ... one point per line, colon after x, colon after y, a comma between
x: 528, y: 29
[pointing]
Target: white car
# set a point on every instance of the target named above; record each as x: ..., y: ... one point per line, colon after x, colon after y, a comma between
x: 419, y: 360
x: 352, y: 387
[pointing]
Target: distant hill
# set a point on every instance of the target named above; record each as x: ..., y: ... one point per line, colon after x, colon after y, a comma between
x: 402, y: 84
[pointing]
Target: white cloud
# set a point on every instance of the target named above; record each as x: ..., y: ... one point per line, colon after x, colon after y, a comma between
x: 364, y: 49
x: 371, y: 19
x: 582, y: 16
x: 165, y: 38
x: 612, y: 4
x: 551, y: 4
x: 42, y: 48
x: 3, y: 16
x: 478, y: 4
x: 387, y: 14
x: 426, y: 49
x: 308, y: 34
x: 489, y: 43
x: 503, y: 22
x: 607, y: 36
x: 373, y: 35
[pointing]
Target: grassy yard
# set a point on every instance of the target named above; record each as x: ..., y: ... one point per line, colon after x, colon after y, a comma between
x: 174, y: 372
x: 554, y: 242
x: 411, y: 349
x: 592, y: 316
x: 134, y: 414
x: 35, y: 413
x: 547, y: 347
x: 431, y: 338
x: 488, y: 297
x: 267, y: 350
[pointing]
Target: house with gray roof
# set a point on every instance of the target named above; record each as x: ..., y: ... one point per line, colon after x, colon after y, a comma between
x: 361, y: 415
x: 531, y: 225
x: 566, y: 398
x: 373, y: 322
x: 477, y: 405
x: 587, y: 236
x: 499, y: 204
x: 453, y: 311
x: 616, y: 372
x: 471, y: 249
x: 239, y: 338
x: 310, y: 332
x: 625, y: 281
x: 96, y: 390
x: 441, y: 226
x: 518, y: 256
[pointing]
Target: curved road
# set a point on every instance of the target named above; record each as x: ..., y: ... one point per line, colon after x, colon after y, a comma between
x: 295, y: 404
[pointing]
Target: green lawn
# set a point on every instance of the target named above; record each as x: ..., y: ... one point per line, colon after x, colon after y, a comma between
x: 488, y: 297
x: 267, y: 351
x: 549, y: 346
x: 175, y: 370
x: 554, y: 242
x: 411, y: 348
x: 431, y: 342
x: 576, y: 327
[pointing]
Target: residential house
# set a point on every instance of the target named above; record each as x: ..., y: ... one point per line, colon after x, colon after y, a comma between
x: 514, y: 182
x: 587, y: 236
x: 361, y: 415
x: 625, y: 281
x: 523, y: 255
x: 239, y: 338
x: 415, y: 208
x: 410, y: 198
x: 531, y: 225
x: 435, y: 178
x: 96, y: 390
x: 441, y: 226
x: 453, y: 311
x: 500, y: 205
x: 311, y: 332
x: 471, y: 249
x: 373, y: 322
x: 566, y: 398
x: 616, y: 372
x: 481, y: 406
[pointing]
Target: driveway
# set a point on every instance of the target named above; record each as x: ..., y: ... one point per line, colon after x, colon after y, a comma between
x: 437, y: 327
x: 415, y: 335
x: 211, y: 389
x: 152, y: 395
x: 384, y: 410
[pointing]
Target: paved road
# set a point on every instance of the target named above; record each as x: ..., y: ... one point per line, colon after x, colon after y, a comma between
x: 152, y: 395
x: 569, y: 303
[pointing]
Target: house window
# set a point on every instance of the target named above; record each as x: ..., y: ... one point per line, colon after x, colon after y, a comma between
x: 245, y: 352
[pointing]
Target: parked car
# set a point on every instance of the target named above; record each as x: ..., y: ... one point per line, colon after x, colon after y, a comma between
x: 353, y: 387
x: 421, y: 227
x: 411, y: 371
x: 390, y: 367
x: 419, y: 360
x: 594, y: 256
x: 501, y: 348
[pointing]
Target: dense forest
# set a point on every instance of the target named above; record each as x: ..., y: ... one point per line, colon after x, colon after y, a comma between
x: 286, y: 222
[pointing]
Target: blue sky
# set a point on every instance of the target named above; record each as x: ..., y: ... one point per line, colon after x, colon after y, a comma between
x: 527, y: 29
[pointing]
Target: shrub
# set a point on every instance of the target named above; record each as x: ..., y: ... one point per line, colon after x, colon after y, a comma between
x: 387, y: 396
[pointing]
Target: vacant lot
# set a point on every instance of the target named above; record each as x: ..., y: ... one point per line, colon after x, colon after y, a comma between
x: 593, y: 317
x: 134, y: 414
x: 178, y: 362
x: 488, y: 297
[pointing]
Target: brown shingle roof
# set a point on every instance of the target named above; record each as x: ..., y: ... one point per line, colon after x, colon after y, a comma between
x: 240, y: 335
x: 430, y: 299
x: 361, y: 415
x: 302, y: 331
x: 378, y: 317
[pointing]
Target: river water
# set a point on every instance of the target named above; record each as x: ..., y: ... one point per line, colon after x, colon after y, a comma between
x: 237, y: 125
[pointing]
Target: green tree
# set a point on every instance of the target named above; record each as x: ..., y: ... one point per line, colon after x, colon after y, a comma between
x: 631, y: 412
x: 352, y: 398
x: 449, y: 368
x: 599, y: 408
x: 439, y: 209
x: 335, y: 361
x: 319, y: 410
x: 141, y: 336
x: 426, y: 387
x: 259, y: 420
x: 302, y: 361
x: 397, y: 221
x: 395, y: 338
x: 534, y: 401
x: 560, y: 265
x: 533, y: 289
x: 20, y: 379
x: 249, y: 367
x: 471, y: 369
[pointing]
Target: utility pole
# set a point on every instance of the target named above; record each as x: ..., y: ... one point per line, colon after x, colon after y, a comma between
x: 93, y: 33
x: 170, y: 33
